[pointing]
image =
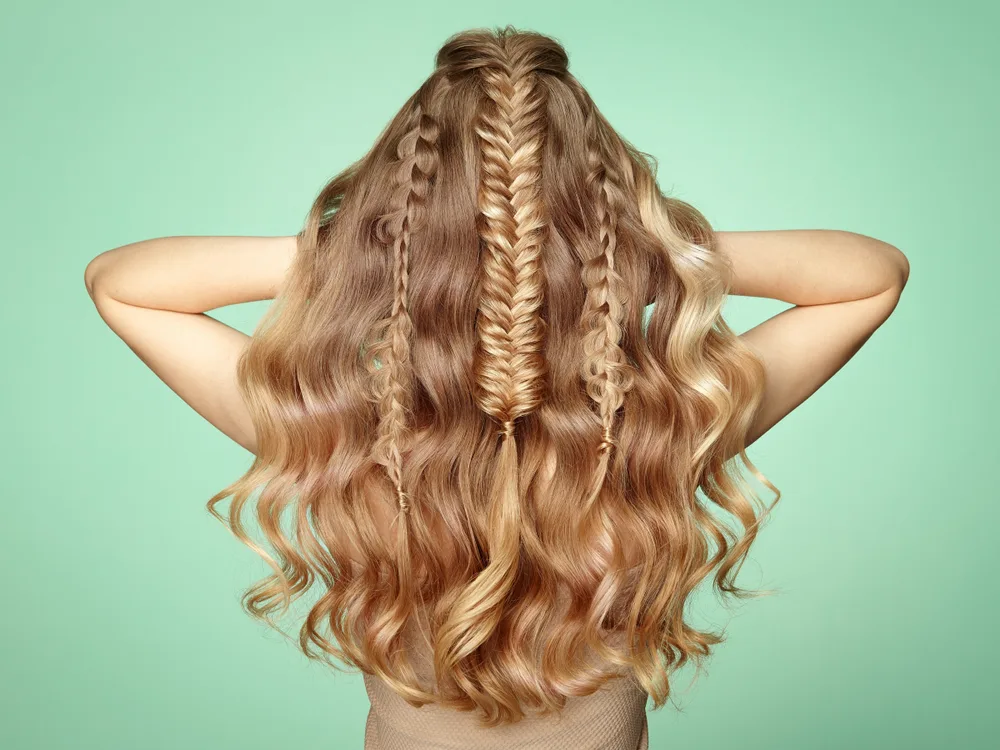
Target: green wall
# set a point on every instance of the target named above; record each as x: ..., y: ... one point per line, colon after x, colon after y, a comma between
x: 124, y: 121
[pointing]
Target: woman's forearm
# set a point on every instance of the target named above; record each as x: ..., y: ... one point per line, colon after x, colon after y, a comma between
x: 192, y: 274
x: 812, y: 266
x: 197, y: 274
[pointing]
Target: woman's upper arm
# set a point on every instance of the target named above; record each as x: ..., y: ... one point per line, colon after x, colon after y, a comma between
x: 842, y: 286
x: 804, y: 346
x: 193, y: 353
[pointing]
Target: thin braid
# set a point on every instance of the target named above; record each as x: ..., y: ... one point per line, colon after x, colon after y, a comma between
x: 605, y: 369
x: 416, y: 166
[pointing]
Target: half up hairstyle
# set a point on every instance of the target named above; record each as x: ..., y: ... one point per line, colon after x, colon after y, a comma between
x: 472, y: 432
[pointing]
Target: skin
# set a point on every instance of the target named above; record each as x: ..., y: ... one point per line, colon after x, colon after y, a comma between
x: 155, y: 294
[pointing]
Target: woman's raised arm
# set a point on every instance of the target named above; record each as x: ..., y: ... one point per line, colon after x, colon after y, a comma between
x: 154, y: 295
x: 843, y: 287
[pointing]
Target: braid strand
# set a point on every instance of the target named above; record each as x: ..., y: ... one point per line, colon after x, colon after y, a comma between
x: 416, y: 166
x: 510, y: 368
x: 605, y: 370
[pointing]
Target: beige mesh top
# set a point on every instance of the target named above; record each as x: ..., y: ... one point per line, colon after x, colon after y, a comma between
x: 613, y: 718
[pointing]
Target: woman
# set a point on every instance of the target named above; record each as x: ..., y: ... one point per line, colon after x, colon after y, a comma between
x: 489, y: 460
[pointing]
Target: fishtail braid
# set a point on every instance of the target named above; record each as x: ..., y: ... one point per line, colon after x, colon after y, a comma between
x: 512, y: 227
x: 510, y: 366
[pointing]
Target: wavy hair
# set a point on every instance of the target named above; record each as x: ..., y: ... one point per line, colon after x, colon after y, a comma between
x: 461, y: 405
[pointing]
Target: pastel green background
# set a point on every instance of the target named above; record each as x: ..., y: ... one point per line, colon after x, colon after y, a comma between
x: 124, y: 121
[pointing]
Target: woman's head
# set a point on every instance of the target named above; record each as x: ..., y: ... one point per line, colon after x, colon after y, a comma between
x: 463, y: 410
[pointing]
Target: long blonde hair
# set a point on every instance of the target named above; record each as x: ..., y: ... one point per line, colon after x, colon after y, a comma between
x: 458, y: 398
